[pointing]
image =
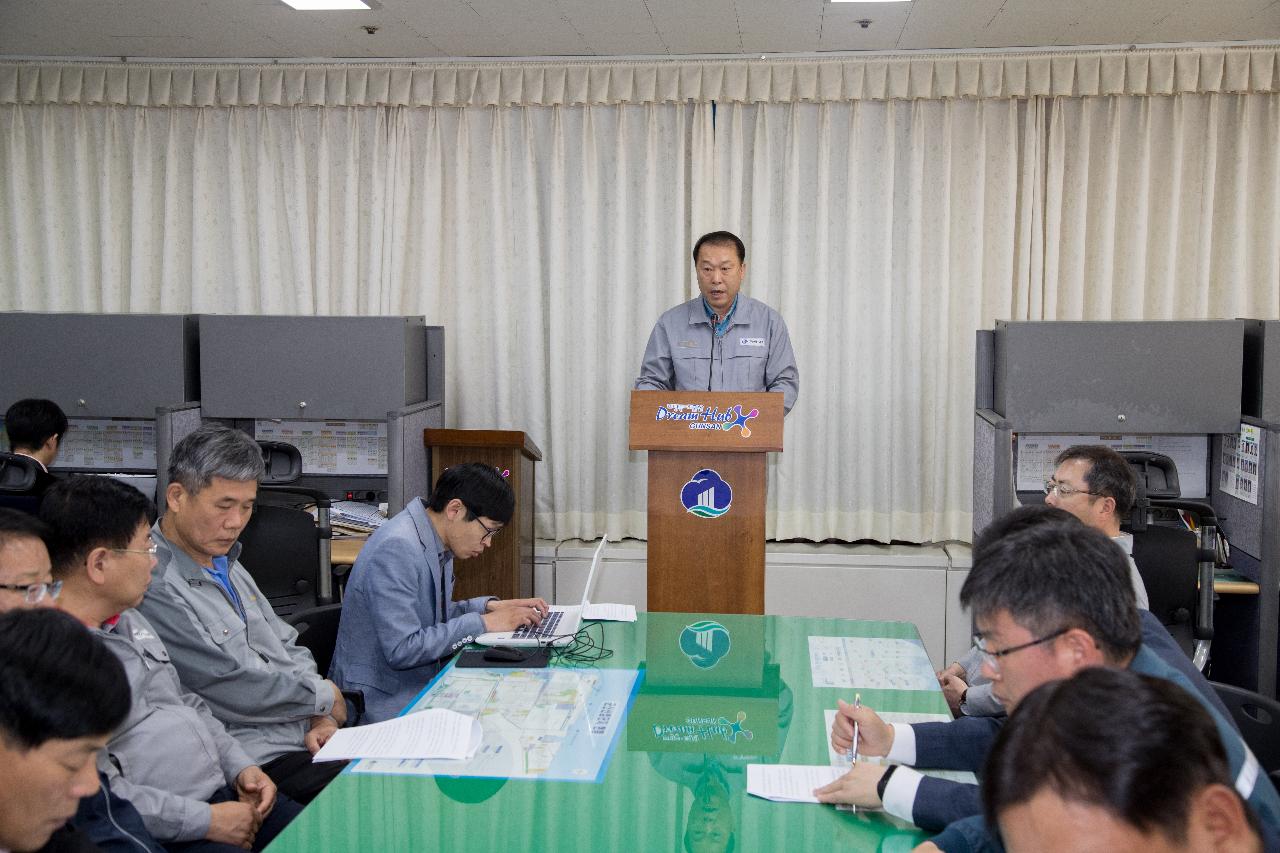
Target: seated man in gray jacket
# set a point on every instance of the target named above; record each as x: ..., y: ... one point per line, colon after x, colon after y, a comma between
x: 195, y: 787
x: 227, y: 643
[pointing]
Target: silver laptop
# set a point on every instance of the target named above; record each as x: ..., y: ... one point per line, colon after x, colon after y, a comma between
x: 560, y: 624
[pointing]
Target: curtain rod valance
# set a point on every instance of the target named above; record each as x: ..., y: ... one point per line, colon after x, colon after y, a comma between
x: 504, y: 83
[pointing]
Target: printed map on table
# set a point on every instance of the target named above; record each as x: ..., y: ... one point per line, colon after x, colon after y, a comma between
x: 556, y: 724
x: 871, y: 663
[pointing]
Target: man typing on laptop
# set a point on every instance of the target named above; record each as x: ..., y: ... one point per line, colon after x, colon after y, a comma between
x: 399, y: 620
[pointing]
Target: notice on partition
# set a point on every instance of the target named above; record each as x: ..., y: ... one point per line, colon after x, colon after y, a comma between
x: 108, y: 445
x: 554, y: 724
x: 332, y: 447
x: 1241, y: 456
x: 1189, y: 452
x: 871, y: 663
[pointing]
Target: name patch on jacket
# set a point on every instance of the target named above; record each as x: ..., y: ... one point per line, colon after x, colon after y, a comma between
x: 751, y: 342
x: 688, y: 344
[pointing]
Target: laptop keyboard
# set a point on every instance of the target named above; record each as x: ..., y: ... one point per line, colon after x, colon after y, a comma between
x: 546, y: 629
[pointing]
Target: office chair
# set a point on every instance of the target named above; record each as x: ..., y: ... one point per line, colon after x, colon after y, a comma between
x: 283, y: 547
x: 318, y: 633
x: 18, y: 475
x: 1258, y: 718
x: 1175, y: 568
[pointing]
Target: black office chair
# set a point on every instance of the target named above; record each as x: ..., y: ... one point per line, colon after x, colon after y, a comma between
x: 1176, y: 570
x: 18, y: 476
x: 283, y: 547
x: 318, y: 633
x: 1258, y: 718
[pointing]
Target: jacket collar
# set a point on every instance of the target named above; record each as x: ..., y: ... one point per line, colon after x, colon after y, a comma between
x: 169, y: 554
x: 426, y: 532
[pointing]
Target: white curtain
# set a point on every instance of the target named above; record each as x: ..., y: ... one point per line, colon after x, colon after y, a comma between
x: 548, y: 238
x: 545, y: 239
x: 885, y: 233
x: 1160, y: 208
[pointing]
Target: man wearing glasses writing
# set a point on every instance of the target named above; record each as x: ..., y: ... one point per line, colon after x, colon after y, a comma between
x: 399, y: 620
x: 1047, y: 602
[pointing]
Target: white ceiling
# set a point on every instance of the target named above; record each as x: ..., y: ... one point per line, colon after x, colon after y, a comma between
x: 461, y: 28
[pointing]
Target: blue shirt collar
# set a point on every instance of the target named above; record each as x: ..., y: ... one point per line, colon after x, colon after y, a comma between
x: 723, y: 326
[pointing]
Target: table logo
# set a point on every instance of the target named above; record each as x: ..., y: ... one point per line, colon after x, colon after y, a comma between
x: 707, y: 495
x: 705, y: 643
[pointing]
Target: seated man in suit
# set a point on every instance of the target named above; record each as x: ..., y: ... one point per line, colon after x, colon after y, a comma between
x: 196, y: 788
x: 1096, y: 485
x: 399, y: 619
x: 52, y: 726
x: 228, y: 645
x: 1047, y: 601
x: 1143, y: 770
x: 35, y: 428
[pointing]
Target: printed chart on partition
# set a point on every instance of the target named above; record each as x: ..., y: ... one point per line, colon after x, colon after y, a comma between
x: 556, y: 724
x: 870, y: 662
x: 108, y: 445
x: 332, y: 447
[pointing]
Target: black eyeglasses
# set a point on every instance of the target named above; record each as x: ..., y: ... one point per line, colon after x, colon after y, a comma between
x: 993, y: 657
x: 488, y: 531
x: 34, y: 593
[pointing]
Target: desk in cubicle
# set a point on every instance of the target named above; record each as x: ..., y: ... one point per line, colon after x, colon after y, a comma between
x: 682, y: 749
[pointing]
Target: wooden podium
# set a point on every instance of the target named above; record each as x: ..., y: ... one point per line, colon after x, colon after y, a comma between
x: 505, y: 569
x: 706, y: 495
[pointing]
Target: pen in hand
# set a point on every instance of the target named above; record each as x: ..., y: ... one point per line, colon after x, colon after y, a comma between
x: 853, y: 747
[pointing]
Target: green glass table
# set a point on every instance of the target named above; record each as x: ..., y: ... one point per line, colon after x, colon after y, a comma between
x: 676, y: 775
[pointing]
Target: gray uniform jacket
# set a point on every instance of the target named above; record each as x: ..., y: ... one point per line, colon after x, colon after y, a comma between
x: 170, y: 755
x: 257, y: 680
x: 753, y: 355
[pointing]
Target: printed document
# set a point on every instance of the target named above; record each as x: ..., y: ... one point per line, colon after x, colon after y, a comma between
x: 434, y: 733
x: 871, y: 663
x: 610, y: 612
x: 789, y: 783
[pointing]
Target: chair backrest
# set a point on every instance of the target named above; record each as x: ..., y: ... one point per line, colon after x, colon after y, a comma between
x: 1166, y: 559
x: 18, y: 477
x: 318, y: 632
x: 280, y: 547
x: 1258, y: 718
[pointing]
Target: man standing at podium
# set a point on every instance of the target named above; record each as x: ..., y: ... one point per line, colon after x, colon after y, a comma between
x: 721, y: 340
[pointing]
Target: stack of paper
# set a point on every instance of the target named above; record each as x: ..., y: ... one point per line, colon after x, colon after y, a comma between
x: 610, y: 612
x: 434, y: 733
x: 789, y: 783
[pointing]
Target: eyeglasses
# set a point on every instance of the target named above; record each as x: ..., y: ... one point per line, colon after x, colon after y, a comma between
x: 151, y: 549
x: 993, y: 657
x: 1064, y: 491
x: 488, y: 531
x: 34, y: 593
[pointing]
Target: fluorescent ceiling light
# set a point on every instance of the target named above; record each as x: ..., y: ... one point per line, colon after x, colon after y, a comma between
x: 327, y: 5
x: 852, y: 1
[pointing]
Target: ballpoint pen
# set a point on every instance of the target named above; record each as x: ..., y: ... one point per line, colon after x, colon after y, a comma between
x: 853, y: 747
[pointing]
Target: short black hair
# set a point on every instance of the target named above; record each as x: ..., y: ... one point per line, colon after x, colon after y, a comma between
x: 21, y: 525
x: 481, y: 489
x: 1110, y: 475
x: 721, y: 238
x: 30, y: 423
x: 87, y: 512
x: 57, y: 680
x: 1019, y: 519
x: 1056, y: 575
x: 1138, y: 746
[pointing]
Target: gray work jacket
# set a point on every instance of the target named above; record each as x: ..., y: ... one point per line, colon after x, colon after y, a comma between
x: 170, y: 755
x: 754, y: 354
x: 257, y: 680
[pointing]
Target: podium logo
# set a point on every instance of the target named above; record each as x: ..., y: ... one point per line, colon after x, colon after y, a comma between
x: 707, y: 495
x: 705, y: 643
x: 740, y: 420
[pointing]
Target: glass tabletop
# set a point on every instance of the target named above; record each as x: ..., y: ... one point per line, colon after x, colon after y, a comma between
x: 713, y: 693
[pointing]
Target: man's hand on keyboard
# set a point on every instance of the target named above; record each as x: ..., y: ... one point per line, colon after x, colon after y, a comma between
x: 511, y: 614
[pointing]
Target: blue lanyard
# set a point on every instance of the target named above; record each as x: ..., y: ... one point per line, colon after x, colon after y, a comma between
x: 723, y: 326
x: 221, y: 572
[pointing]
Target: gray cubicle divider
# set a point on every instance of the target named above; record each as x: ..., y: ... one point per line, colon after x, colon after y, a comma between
x: 407, y: 453
x: 173, y: 423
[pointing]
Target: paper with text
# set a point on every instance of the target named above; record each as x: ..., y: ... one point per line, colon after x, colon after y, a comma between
x: 434, y: 733
x: 789, y: 783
